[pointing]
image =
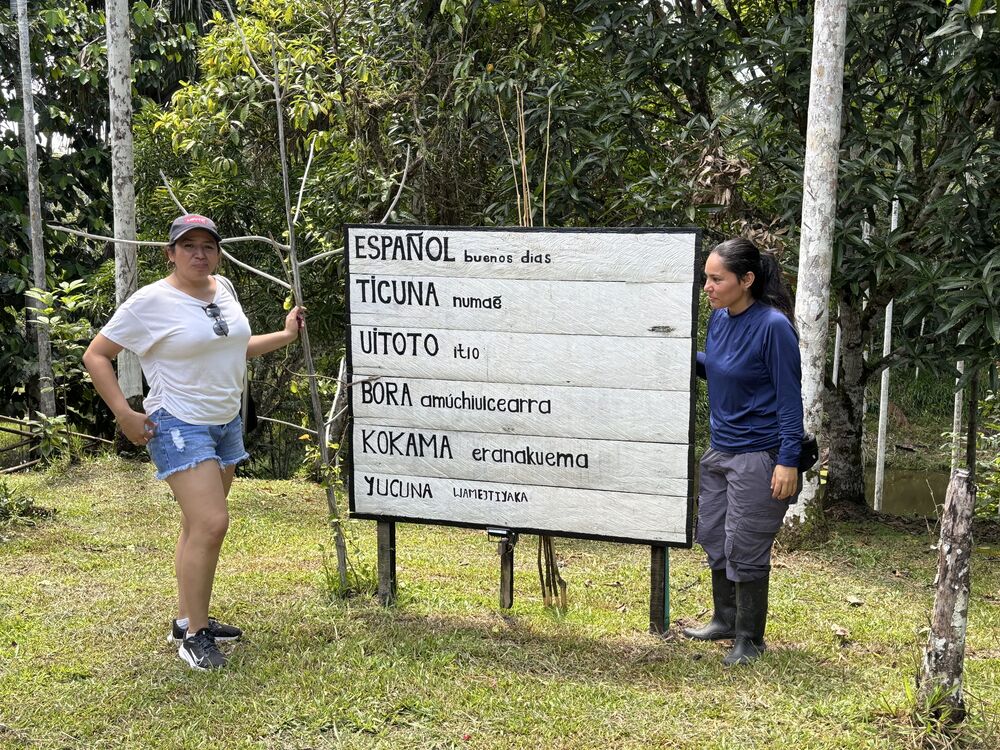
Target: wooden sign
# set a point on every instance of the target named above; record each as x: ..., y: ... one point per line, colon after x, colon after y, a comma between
x: 534, y: 380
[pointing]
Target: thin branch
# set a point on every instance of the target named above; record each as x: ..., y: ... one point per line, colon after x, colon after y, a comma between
x: 154, y: 243
x: 102, y: 238
x: 15, y: 446
x: 331, y: 418
x: 12, y: 469
x: 246, y: 45
x: 513, y: 164
x: 254, y: 238
x: 302, y: 184
x: 257, y: 271
x: 327, y: 254
x: 166, y: 184
x: 399, y: 192
x: 288, y: 424
x: 282, y: 261
x: 545, y: 166
x: 523, y: 150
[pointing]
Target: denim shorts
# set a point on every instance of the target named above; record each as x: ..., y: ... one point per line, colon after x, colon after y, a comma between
x: 178, y: 445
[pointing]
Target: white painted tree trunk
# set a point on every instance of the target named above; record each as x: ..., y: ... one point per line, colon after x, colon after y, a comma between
x: 819, y: 205
x: 836, y: 354
x: 883, y: 402
x: 883, y: 411
x: 956, y: 421
x: 916, y: 370
x: 122, y: 177
x: 46, y: 382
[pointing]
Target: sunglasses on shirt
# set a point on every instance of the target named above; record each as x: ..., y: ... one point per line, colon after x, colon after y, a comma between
x: 219, y: 325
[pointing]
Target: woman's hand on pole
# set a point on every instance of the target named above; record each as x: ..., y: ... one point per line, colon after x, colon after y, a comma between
x: 295, y: 321
x: 784, y: 482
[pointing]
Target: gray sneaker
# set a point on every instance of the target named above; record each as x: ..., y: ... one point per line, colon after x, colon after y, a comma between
x: 200, y: 652
x: 221, y: 632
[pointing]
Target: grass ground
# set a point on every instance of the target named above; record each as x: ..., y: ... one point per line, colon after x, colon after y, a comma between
x: 86, y: 597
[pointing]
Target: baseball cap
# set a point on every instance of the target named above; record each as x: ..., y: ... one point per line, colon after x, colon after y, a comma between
x: 184, y: 224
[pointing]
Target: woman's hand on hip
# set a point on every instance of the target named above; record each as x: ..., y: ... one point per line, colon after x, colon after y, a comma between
x: 784, y: 482
x: 137, y: 427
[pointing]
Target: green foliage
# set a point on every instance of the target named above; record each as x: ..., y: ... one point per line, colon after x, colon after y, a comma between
x: 988, y: 468
x: 18, y: 508
x: 362, y: 573
x: 68, y: 59
x: 62, y: 312
x: 54, y: 442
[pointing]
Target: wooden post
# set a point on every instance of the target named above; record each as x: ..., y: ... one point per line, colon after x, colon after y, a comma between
x: 883, y: 402
x: 883, y: 412
x: 972, y: 435
x: 505, y: 548
x: 659, y: 589
x: 386, y: 533
x: 956, y: 422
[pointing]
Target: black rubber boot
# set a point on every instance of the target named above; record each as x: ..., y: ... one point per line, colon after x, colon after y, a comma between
x: 751, y: 618
x: 723, y: 622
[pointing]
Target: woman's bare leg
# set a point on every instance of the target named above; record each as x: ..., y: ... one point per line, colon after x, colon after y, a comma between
x: 182, y: 610
x: 201, y: 493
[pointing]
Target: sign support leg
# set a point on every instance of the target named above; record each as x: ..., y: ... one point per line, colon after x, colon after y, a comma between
x: 505, y: 548
x: 386, y: 534
x: 659, y: 589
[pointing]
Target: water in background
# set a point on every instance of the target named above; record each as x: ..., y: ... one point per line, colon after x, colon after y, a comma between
x: 909, y: 493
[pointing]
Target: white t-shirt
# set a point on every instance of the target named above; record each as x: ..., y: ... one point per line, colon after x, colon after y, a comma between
x: 193, y: 373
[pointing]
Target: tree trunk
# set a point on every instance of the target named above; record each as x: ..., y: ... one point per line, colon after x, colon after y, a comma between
x: 819, y: 208
x: 46, y: 382
x: 123, y: 179
x: 941, y: 670
x: 845, y: 481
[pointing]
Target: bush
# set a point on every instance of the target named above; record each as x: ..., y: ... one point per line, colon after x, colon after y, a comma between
x: 16, y: 508
x: 988, y: 470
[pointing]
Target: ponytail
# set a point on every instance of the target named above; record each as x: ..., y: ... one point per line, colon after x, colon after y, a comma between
x: 769, y: 287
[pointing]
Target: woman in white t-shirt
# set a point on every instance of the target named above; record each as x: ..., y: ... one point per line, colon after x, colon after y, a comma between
x: 193, y: 341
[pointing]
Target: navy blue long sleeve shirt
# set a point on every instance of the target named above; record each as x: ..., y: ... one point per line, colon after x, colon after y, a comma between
x: 754, y: 373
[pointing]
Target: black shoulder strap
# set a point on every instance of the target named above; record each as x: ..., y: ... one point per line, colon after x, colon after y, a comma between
x: 229, y: 285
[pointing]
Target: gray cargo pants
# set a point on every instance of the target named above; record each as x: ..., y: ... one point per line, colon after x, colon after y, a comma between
x: 737, y: 517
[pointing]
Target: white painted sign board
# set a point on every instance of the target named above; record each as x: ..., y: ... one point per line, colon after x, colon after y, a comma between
x: 537, y: 380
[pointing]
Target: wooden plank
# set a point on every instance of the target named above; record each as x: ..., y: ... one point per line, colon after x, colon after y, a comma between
x: 655, y: 310
x: 498, y: 253
x: 520, y: 507
x: 543, y: 359
x: 655, y: 468
x: 557, y: 411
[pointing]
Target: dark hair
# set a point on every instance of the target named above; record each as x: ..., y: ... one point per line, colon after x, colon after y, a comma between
x: 741, y: 256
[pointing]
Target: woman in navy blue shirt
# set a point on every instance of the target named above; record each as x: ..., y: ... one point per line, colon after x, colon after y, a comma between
x: 750, y: 472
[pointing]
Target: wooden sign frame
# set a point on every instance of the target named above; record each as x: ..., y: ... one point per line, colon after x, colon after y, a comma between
x: 664, y: 354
